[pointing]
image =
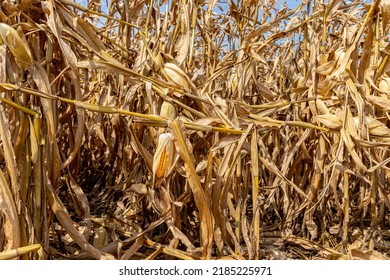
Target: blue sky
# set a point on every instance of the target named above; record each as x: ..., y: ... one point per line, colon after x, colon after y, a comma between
x: 290, y: 3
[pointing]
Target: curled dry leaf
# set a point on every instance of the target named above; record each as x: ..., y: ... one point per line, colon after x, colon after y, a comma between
x: 8, y: 210
x: 368, y: 255
x: 201, y: 201
x: 385, y: 7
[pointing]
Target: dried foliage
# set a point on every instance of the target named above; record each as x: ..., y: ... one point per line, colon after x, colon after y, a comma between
x: 194, y: 129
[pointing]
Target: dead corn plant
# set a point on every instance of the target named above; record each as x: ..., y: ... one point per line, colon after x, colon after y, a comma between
x: 194, y: 129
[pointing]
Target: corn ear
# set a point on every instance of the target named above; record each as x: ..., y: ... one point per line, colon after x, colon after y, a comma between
x: 139, y: 188
x: 177, y: 76
x: 163, y: 158
x: 168, y: 110
x: 330, y: 121
x: 375, y: 127
x: 384, y: 84
x: 16, y: 45
x: 340, y: 54
x: 322, y: 107
x: 380, y: 101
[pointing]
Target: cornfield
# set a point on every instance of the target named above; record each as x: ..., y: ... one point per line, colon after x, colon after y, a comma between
x: 191, y: 129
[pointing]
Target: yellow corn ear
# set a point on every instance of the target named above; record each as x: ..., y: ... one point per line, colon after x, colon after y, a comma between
x: 163, y: 158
